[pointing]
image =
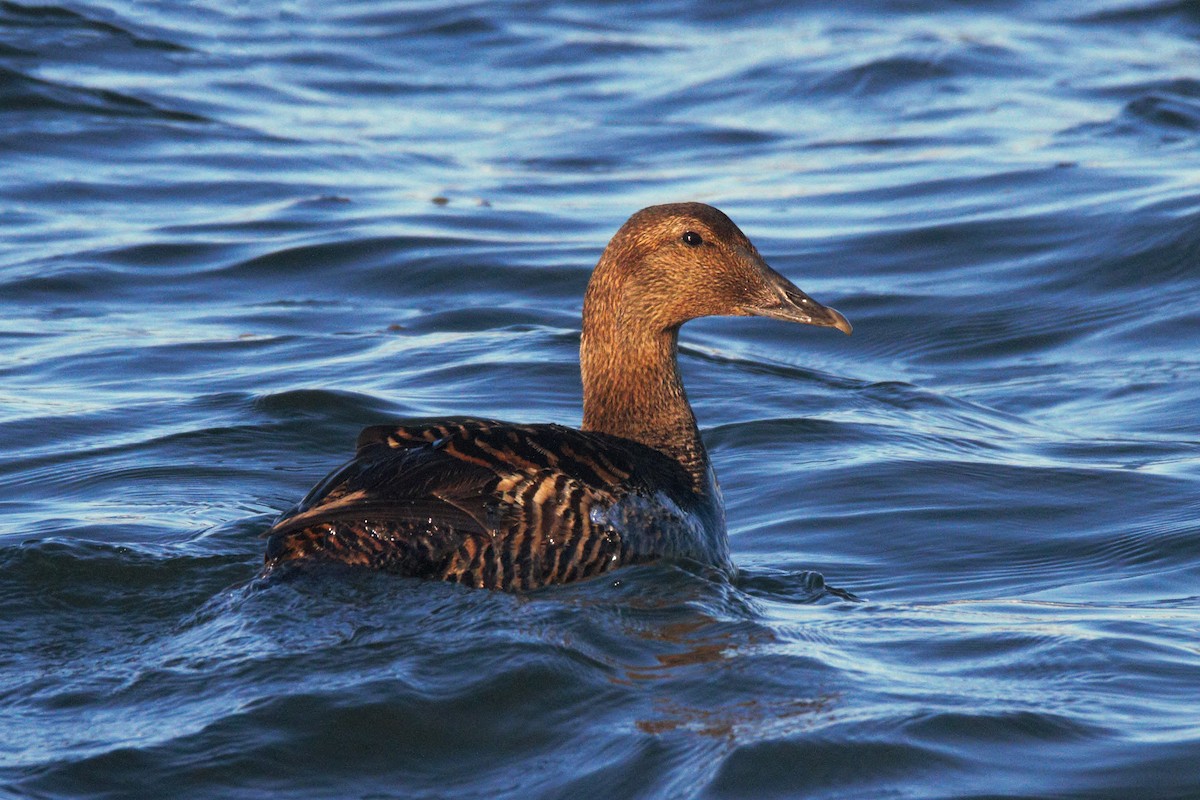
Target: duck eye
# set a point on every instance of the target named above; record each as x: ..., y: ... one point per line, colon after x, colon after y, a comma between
x: 692, y: 239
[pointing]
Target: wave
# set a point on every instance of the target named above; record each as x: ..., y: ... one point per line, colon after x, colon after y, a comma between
x: 24, y: 93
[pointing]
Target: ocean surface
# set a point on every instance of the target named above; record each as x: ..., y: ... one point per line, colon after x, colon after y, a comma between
x: 234, y: 233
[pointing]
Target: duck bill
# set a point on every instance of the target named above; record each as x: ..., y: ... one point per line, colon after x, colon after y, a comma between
x: 788, y: 303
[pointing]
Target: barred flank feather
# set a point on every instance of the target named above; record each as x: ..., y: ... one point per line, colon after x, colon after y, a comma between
x: 492, y: 505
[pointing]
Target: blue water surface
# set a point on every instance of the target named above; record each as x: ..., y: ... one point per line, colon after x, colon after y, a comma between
x: 235, y: 233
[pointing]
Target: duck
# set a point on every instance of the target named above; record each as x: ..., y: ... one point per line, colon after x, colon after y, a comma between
x: 518, y: 507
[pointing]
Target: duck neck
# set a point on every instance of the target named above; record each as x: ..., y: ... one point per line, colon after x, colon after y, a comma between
x: 632, y: 389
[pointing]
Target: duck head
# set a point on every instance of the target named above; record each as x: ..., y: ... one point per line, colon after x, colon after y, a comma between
x: 672, y: 263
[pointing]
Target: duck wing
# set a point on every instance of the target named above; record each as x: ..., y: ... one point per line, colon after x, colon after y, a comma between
x: 491, y: 504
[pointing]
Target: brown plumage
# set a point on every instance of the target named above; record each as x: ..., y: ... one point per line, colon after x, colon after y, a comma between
x: 505, y: 506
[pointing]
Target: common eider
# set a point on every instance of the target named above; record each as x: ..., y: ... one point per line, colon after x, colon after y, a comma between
x: 499, y: 505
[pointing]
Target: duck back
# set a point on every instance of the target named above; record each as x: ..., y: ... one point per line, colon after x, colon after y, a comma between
x: 503, y: 506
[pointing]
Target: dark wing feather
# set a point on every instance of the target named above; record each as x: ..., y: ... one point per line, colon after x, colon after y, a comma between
x: 490, y: 504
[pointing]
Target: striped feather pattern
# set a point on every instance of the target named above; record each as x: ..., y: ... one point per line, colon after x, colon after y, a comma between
x: 501, y: 506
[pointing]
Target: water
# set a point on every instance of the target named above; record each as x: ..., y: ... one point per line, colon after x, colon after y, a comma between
x: 233, y: 234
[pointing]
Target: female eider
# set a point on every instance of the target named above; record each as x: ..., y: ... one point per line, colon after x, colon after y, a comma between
x: 499, y: 505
